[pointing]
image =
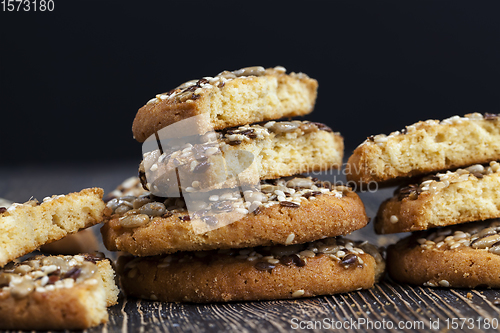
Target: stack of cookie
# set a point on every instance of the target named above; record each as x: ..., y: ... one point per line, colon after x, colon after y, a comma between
x: 53, y: 292
x: 230, y: 192
x: 456, y: 179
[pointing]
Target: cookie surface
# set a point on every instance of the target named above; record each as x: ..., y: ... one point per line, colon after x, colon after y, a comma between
x: 461, y: 256
x: 427, y: 147
x: 245, y: 96
x: 242, y: 155
x: 25, y: 227
x: 323, y: 267
x: 288, y: 211
x: 443, y: 199
x: 56, y: 292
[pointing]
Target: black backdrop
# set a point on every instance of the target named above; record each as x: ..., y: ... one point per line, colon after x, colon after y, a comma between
x: 73, y: 79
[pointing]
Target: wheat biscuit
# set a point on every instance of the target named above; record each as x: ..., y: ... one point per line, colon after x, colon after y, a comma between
x: 229, y: 99
x: 241, y: 155
x: 286, y: 211
x: 443, y: 199
x: 426, y: 147
x: 324, y: 267
x: 56, y: 292
x: 26, y: 227
x: 461, y: 256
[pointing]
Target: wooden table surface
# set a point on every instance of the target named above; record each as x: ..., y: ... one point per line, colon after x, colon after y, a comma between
x: 386, y: 307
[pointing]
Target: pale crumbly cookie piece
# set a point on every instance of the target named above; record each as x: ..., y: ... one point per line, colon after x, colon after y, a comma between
x: 461, y: 256
x: 287, y: 211
x: 26, y: 227
x: 426, y: 147
x: 83, y: 241
x: 324, y: 267
x: 242, y: 155
x: 229, y: 99
x: 443, y: 199
x: 56, y: 292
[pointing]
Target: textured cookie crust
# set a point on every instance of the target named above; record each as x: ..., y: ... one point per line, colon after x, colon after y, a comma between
x: 26, y: 227
x: 443, y: 199
x: 426, y: 147
x: 463, y: 256
x: 245, y: 96
x: 72, y: 296
x: 243, y: 155
x: 319, y: 213
x: 325, y: 267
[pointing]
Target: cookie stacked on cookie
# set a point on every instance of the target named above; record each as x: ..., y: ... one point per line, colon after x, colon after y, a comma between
x: 456, y: 177
x: 227, y: 215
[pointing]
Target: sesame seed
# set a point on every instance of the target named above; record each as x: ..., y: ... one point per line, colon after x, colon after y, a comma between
x: 444, y: 283
x: 307, y: 254
x: 298, y: 293
x: 394, y: 219
x: 242, y: 210
x: 290, y: 239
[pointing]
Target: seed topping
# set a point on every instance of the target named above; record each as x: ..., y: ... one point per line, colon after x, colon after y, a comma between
x: 44, y: 274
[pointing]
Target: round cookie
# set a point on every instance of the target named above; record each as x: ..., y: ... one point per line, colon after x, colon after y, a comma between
x: 240, y: 155
x: 426, y: 147
x: 443, y: 199
x: 461, y: 256
x: 278, y: 215
x: 324, y: 267
x: 229, y: 99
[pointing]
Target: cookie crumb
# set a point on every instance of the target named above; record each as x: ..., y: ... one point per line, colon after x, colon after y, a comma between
x: 469, y: 295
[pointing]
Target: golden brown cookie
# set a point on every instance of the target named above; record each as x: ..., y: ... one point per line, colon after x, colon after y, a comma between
x: 287, y: 211
x: 229, y: 99
x: 443, y: 199
x: 426, y: 147
x: 461, y: 256
x: 56, y: 292
x: 324, y: 267
x: 26, y: 227
x: 241, y: 155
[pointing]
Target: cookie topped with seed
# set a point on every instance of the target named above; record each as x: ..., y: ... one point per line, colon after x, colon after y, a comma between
x: 334, y: 265
x: 282, y: 211
x: 461, y: 256
x: 56, y: 292
x: 426, y: 147
x: 442, y: 199
x: 241, y: 155
x: 228, y: 99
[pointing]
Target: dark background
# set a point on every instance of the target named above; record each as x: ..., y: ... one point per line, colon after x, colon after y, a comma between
x: 73, y: 79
